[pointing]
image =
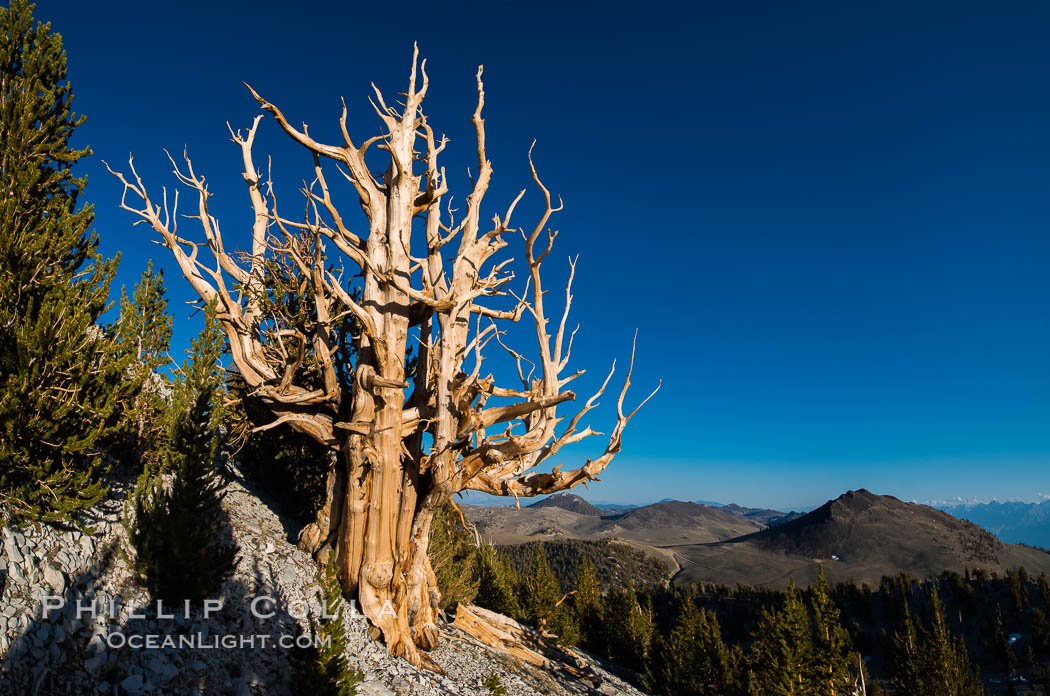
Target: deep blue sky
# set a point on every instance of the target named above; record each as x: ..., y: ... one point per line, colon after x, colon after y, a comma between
x: 828, y: 221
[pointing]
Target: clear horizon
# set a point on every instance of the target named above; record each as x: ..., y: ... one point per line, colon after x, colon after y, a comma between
x: 828, y: 223
x: 482, y: 499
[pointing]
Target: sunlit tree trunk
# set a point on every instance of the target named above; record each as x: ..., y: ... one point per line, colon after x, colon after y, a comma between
x: 406, y: 440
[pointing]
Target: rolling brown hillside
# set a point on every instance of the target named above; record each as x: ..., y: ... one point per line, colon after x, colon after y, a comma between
x: 674, y: 522
x: 858, y: 535
x: 661, y: 524
x: 570, y: 502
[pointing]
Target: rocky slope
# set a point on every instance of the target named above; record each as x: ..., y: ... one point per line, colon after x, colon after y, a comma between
x: 59, y: 652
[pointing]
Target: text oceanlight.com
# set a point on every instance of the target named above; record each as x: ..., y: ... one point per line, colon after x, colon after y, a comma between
x: 261, y: 641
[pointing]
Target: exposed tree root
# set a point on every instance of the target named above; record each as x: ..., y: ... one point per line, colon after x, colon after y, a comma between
x: 511, y: 638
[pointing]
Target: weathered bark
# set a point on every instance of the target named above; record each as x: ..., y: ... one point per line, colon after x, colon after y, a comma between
x: 506, y: 635
x: 403, y: 448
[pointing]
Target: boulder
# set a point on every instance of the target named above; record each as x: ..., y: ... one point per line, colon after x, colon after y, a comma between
x: 132, y: 684
x: 55, y: 578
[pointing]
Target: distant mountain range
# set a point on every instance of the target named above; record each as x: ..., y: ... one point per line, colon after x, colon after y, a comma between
x: 1012, y: 522
x: 574, y: 503
x: 859, y: 535
x: 568, y: 516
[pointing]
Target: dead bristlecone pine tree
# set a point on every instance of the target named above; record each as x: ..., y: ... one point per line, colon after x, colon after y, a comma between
x: 383, y: 364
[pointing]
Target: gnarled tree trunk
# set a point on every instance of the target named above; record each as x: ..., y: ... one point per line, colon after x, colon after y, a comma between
x: 385, y: 367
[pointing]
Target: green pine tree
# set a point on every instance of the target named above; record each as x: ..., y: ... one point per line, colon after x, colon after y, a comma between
x: 947, y: 667
x: 454, y: 559
x: 628, y: 629
x: 292, y: 468
x: 832, y: 647
x: 1040, y: 631
x: 935, y: 662
x: 588, y: 602
x: 780, y: 657
x: 1002, y: 646
x: 539, y: 595
x: 64, y: 385
x: 496, y: 583
x: 322, y: 668
x: 907, y: 659
x: 145, y: 325
x: 144, y: 331
x: 693, y: 660
x: 177, y: 528
x: 538, y: 588
x: 564, y: 624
